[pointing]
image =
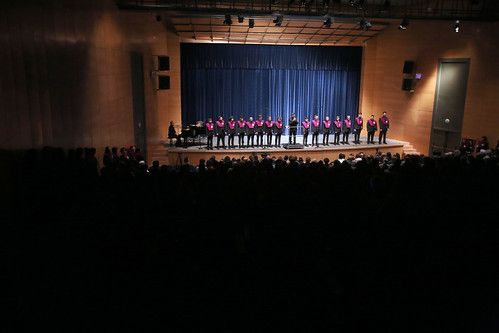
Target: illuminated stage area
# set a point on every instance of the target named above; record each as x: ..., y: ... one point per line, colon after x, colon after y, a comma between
x: 197, y: 150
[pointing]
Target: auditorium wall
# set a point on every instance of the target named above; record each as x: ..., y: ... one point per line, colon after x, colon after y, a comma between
x: 425, y: 42
x: 65, y: 74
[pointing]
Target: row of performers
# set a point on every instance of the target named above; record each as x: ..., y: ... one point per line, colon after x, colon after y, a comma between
x: 261, y: 128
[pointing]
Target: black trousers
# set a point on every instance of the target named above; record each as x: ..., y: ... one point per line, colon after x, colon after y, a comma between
x: 251, y: 137
x: 209, y: 141
x: 259, y: 139
x: 345, y: 137
x: 370, y: 137
x: 269, y: 139
x: 220, y: 137
x: 241, y: 140
x: 325, y: 138
x: 382, y: 135
x: 230, y: 142
x: 357, y: 135
x: 305, y: 138
x: 278, y: 139
x: 292, y: 136
x: 315, y: 138
x: 336, y: 138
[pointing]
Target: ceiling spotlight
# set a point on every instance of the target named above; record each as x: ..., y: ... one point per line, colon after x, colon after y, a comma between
x: 228, y: 20
x: 251, y: 23
x: 457, y: 26
x: 278, y: 20
x: 351, y: 3
x: 327, y: 22
x: 404, y: 24
x: 240, y: 18
x: 303, y: 2
x: 365, y: 24
x: 274, y: 2
x: 325, y: 3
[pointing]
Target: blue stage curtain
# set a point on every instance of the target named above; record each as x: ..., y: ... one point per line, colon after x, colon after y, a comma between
x: 249, y: 80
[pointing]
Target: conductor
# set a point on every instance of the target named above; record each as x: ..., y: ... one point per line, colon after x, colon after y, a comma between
x: 293, y: 128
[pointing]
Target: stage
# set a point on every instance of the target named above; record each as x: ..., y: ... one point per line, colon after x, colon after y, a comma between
x: 196, y: 149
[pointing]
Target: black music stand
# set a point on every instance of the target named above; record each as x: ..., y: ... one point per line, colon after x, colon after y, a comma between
x: 179, y: 158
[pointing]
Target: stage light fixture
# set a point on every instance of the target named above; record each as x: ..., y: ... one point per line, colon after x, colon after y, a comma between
x: 365, y: 24
x: 325, y: 3
x: 251, y: 23
x: 351, y: 3
x: 457, y: 27
x: 404, y: 24
x: 278, y: 20
x: 228, y: 20
x: 240, y: 18
x: 327, y: 22
x: 274, y: 2
x: 303, y: 2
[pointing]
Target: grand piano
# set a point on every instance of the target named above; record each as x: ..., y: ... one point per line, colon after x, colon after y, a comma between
x: 192, y: 131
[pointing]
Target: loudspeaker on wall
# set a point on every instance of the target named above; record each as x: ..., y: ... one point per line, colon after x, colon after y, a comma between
x: 408, y: 67
x: 163, y: 82
x: 407, y: 84
x: 163, y: 63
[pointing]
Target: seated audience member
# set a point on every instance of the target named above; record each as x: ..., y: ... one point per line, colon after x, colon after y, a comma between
x: 482, y: 144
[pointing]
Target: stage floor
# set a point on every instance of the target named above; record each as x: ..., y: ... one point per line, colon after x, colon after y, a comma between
x: 197, y: 149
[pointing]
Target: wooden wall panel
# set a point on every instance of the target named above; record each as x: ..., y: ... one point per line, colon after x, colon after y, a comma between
x: 425, y: 42
x: 65, y: 74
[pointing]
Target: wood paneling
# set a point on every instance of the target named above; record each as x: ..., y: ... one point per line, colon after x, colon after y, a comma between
x: 425, y: 42
x: 65, y: 74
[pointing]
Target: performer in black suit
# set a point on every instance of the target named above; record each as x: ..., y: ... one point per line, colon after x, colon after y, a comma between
x: 220, y: 129
x: 269, y: 126
x: 209, y: 133
x: 172, y: 134
x: 231, y: 131
x: 371, y: 128
x: 293, y: 128
x: 241, y: 129
x: 347, y: 125
x: 259, y: 131
x: 306, y: 130
x: 316, y: 126
x: 278, y: 129
x: 250, y: 131
x: 337, y: 130
x: 383, y: 127
x: 357, y: 128
x: 326, y: 130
